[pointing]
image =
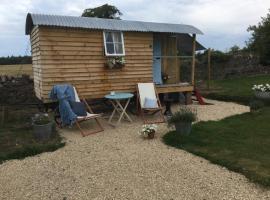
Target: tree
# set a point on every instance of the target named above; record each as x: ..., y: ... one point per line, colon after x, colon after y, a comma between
x: 234, y: 49
x: 260, y: 39
x: 104, y: 11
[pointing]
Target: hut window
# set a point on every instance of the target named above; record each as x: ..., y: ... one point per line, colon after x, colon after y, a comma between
x: 114, y: 43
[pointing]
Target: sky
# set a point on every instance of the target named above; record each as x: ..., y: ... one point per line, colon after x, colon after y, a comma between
x: 223, y: 22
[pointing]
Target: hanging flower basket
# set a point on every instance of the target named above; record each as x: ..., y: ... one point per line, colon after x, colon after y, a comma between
x: 115, y: 62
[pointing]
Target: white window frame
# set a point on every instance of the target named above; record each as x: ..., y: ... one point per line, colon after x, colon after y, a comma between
x: 105, y: 46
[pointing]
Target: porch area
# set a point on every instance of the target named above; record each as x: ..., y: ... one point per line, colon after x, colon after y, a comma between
x: 174, y: 62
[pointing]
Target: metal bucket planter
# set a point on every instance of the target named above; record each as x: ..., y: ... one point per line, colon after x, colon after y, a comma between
x: 43, y: 132
x: 183, y: 128
x: 262, y: 95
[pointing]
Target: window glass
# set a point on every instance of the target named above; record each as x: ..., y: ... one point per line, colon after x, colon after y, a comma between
x: 118, y: 49
x: 114, y: 44
x: 109, y: 37
x: 117, y: 37
x: 110, y: 48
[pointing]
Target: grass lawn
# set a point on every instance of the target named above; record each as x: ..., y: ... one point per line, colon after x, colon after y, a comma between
x: 237, y: 89
x: 241, y: 143
x: 17, y: 141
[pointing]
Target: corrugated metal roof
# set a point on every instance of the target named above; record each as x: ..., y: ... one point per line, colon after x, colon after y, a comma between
x: 105, y: 24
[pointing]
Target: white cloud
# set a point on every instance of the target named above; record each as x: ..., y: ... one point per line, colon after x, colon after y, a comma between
x: 224, y: 22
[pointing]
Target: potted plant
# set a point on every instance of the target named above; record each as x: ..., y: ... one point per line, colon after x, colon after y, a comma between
x: 148, y: 130
x: 165, y: 77
x: 262, y: 91
x: 42, y: 126
x: 115, y: 62
x: 182, y: 120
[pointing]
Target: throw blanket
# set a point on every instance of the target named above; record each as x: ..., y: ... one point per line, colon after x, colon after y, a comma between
x: 64, y: 93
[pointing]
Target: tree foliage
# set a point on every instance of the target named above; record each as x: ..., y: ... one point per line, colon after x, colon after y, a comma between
x: 104, y: 11
x: 12, y: 60
x: 260, y: 39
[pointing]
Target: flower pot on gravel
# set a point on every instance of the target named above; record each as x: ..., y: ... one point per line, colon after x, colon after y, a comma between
x: 183, y: 128
x: 151, y: 135
x: 148, y: 131
x: 182, y: 120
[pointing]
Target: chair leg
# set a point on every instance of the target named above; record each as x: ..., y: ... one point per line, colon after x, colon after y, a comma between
x: 83, y: 133
x: 161, y: 118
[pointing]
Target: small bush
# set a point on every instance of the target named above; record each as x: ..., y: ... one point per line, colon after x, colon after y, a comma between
x: 184, y: 114
x: 41, y: 119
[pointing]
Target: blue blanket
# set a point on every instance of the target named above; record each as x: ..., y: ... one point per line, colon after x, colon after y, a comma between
x: 64, y: 93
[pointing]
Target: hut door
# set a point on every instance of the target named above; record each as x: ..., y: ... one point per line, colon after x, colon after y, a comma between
x: 157, y: 60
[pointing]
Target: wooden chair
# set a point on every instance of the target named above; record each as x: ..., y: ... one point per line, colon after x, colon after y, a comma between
x: 90, y: 116
x: 148, y: 90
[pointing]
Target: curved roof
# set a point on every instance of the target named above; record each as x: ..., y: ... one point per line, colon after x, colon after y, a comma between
x: 104, y: 24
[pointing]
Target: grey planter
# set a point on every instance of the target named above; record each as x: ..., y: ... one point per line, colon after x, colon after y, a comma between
x: 183, y: 128
x: 262, y: 95
x: 43, y: 132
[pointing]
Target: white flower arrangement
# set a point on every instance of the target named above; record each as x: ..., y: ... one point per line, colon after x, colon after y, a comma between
x: 261, y: 87
x: 147, y: 129
x: 117, y: 62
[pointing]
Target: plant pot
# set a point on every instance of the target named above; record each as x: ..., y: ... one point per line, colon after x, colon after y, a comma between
x: 183, y: 128
x: 43, y: 132
x: 151, y: 135
x: 110, y: 65
x: 262, y: 95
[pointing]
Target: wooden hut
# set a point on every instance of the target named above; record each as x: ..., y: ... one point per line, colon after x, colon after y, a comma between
x: 102, y: 55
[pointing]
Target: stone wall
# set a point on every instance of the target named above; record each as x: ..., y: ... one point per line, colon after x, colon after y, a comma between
x: 236, y: 65
x: 17, y: 90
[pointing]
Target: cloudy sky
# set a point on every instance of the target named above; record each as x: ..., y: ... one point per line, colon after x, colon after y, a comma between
x: 224, y: 22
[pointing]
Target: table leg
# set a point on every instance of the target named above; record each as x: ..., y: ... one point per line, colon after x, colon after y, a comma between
x: 114, y: 110
x: 124, y: 113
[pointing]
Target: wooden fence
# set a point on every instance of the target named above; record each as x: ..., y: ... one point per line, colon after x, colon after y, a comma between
x: 16, y: 70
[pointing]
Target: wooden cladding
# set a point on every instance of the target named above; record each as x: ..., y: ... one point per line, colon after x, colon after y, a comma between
x: 77, y: 57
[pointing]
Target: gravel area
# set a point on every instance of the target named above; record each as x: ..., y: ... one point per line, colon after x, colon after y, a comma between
x: 119, y: 164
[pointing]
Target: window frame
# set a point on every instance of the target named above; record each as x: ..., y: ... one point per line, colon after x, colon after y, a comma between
x: 105, y: 42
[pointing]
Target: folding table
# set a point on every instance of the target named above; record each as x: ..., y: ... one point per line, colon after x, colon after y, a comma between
x: 119, y: 108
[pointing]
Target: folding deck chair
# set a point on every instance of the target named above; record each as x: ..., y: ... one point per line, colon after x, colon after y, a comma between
x: 90, y: 115
x: 147, y: 91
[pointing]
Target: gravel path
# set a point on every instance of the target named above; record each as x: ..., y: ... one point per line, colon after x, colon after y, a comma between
x: 119, y: 164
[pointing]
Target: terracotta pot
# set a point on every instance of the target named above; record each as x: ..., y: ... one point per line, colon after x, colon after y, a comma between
x: 151, y: 135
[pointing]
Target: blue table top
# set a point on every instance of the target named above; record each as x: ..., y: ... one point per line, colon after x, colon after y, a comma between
x: 119, y: 95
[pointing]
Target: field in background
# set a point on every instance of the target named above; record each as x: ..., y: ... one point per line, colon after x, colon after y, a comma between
x: 15, y: 70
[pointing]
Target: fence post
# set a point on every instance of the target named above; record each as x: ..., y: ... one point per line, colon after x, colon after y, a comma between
x: 209, y: 68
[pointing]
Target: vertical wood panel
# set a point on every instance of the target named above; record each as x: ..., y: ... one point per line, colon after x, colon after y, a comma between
x: 193, y: 59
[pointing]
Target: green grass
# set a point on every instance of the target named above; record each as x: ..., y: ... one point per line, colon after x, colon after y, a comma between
x: 241, y: 143
x: 236, y: 89
x: 17, y: 141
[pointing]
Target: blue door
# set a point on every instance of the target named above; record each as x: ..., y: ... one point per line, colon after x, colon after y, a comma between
x: 157, y: 60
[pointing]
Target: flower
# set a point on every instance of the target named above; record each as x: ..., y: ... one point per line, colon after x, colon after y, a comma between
x: 147, y: 129
x: 262, y: 87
